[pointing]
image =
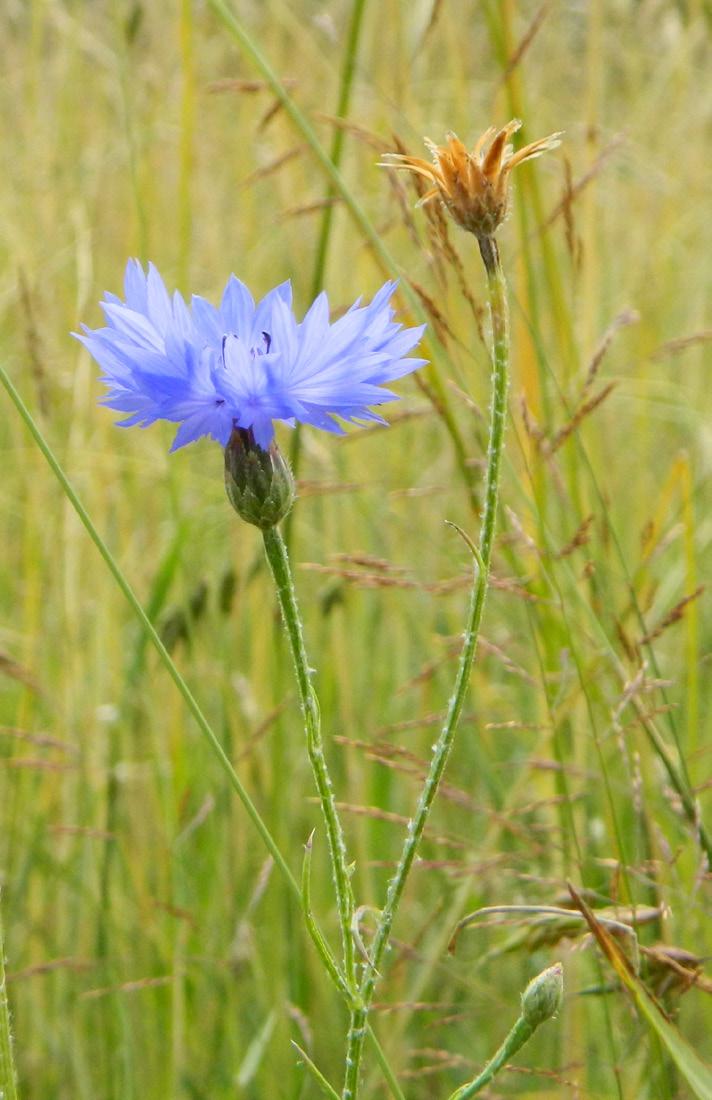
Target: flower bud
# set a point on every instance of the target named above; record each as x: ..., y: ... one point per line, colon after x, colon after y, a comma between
x: 543, y: 996
x: 259, y: 483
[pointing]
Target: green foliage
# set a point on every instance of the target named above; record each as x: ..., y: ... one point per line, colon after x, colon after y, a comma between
x: 152, y: 950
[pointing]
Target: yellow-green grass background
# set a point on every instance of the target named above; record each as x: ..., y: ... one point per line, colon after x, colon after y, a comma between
x: 124, y: 857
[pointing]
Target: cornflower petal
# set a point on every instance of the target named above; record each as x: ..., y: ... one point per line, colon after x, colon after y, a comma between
x: 158, y: 303
x: 132, y: 324
x: 263, y: 312
x: 135, y: 286
x: 237, y: 309
x: 211, y: 369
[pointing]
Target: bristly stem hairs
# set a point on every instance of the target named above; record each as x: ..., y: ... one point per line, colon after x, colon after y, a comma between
x: 474, y: 189
x: 482, y: 556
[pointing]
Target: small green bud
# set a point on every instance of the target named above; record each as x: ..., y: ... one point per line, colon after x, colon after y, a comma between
x: 543, y: 996
x: 259, y: 483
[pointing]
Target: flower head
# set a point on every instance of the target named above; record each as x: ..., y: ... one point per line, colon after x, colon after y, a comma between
x: 258, y: 482
x: 543, y: 996
x: 474, y: 186
x: 244, y: 365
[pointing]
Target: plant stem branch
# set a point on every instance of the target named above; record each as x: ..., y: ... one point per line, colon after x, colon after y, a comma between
x: 518, y: 1036
x: 483, y: 555
x: 279, y: 564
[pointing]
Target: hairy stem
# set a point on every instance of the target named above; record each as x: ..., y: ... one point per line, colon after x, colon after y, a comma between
x: 279, y: 564
x: 518, y: 1036
x: 500, y: 370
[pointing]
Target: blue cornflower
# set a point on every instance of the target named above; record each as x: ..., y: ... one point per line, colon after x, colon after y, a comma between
x: 240, y: 365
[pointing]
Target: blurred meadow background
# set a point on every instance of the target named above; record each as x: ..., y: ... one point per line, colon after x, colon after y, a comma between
x: 152, y: 950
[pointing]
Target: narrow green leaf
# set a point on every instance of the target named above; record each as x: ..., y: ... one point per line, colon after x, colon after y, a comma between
x: 318, y: 1076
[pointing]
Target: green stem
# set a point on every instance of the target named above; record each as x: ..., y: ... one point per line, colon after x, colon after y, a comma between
x: 541, y: 1001
x: 518, y: 1036
x: 388, y: 1074
x: 337, y: 143
x: 152, y: 634
x: 279, y: 564
x: 497, y: 289
x: 500, y: 363
x: 8, y: 1078
x: 318, y: 940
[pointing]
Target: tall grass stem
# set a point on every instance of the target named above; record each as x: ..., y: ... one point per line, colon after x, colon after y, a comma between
x: 348, y: 68
x: 8, y: 1077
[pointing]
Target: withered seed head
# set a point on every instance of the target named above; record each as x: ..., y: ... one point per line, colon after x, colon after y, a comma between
x: 473, y: 186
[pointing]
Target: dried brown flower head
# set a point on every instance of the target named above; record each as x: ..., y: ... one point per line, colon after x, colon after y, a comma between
x: 473, y: 186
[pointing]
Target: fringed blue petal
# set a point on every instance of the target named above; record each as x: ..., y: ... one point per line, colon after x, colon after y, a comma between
x: 208, y: 368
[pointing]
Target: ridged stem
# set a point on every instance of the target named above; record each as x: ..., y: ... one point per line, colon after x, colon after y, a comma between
x: 541, y: 1000
x: 8, y: 1078
x: 518, y: 1036
x: 500, y: 379
x: 278, y: 559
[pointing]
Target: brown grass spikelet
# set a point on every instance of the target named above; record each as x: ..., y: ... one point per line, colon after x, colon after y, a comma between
x: 581, y: 537
x: 672, y: 616
x: 580, y: 414
x: 671, y: 971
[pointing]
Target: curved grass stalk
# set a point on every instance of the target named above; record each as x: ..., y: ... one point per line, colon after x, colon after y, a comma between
x: 8, y: 1078
x: 316, y: 1073
x: 482, y: 558
x: 318, y: 940
x: 152, y: 634
x: 337, y: 145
